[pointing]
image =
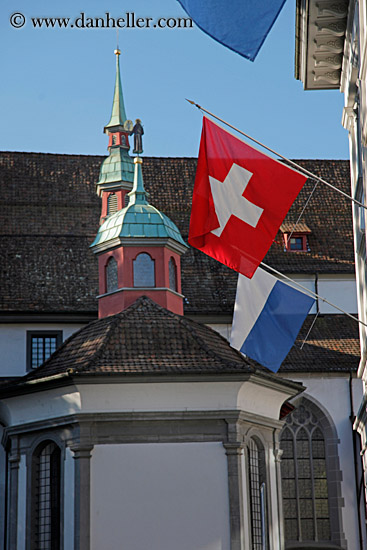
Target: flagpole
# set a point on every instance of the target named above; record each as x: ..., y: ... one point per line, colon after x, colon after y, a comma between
x: 312, y: 293
x: 304, y: 170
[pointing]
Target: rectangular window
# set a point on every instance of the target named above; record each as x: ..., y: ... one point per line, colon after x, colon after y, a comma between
x: 296, y: 243
x: 40, y: 345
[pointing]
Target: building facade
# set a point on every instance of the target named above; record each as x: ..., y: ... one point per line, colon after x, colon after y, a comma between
x: 124, y: 421
x: 331, y: 53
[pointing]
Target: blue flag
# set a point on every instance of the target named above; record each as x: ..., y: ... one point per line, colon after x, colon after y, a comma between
x: 241, y: 25
x: 267, y: 317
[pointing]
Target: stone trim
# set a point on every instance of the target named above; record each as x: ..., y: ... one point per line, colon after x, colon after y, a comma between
x: 13, y: 472
x: 82, y: 456
x: 234, y: 452
x: 141, y: 288
x: 135, y: 427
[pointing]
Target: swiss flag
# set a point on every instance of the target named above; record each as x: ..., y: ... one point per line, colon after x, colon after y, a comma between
x: 240, y: 199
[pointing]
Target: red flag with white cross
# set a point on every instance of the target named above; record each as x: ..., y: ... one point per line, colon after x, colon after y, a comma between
x: 240, y: 199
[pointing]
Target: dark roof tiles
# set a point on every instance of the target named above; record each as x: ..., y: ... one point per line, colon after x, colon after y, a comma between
x: 332, y: 346
x: 49, y: 214
x: 145, y: 339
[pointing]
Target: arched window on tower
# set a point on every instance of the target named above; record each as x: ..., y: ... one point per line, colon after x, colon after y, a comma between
x: 144, y: 271
x: 306, y: 481
x: 112, y: 206
x: 257, y: 494
x: 172, y: 271
x: 111, y: 275
x: 46, y: 495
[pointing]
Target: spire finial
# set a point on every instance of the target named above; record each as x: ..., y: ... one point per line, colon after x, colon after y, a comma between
x: 118, y: 115
x: 138, y: 195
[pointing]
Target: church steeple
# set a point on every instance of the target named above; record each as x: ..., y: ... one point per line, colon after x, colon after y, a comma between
x: 117, y: 171
x: 118, y: 115
x: 139, y: 254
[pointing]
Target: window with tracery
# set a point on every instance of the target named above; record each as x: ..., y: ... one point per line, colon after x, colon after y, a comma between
x: 144, y: 271
x: 111, y: 275
x: 46, y: 493
x: 304, y: 478
x: 257, y: 494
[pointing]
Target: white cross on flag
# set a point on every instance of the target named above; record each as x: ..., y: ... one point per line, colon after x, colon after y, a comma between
x: 240, y: 199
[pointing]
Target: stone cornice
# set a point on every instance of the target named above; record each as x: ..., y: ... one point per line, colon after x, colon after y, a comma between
x: 321, y: 28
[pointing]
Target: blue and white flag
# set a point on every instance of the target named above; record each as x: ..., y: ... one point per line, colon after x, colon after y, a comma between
x: 267, y: 317
x: 241, y: 25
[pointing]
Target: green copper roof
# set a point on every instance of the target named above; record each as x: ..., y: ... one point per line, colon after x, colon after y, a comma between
x: 118, y: 115
x: 118, y: 166
x: 138, y: 219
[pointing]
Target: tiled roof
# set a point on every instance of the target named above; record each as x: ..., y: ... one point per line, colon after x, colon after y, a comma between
x: 289, y: 227
x: 145, y: 339
x: 332, y: 346
x: 49, y: 214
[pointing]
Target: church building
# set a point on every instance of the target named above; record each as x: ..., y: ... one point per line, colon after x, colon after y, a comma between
x: 127, y: 420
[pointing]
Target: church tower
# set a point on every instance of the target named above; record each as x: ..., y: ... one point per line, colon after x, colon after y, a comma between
x: 117, y: 170
x: 138, y: 247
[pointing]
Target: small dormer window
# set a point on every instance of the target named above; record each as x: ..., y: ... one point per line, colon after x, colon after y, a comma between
x: 295, y: 237
x: 297, y: 243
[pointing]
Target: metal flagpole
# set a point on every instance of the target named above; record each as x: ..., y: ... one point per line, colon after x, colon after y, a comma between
x: 304, y: 170
x: 310, y: 292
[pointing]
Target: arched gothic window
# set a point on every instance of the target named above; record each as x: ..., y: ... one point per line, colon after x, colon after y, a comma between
x: 144, y: 271
x: 257, y: 494
x: 45, y: 494
x: 111, y: 275
x: 172, y: 271
x: 112, y: 206
x: 308, y: 514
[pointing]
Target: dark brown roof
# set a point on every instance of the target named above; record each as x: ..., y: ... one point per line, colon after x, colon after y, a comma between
x: 145, y: 339
x: 49, y: 214
x: 332, y: 346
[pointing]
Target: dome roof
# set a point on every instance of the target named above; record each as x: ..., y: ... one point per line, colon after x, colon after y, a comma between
x: 138, y: 220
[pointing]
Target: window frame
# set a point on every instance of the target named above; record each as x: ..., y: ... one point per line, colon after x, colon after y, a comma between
x: 262, y: 474
x: 152, y: 266
x: 333, y: 477
x: 295, y: 235
x: 56, y: 515
x: 58, y: 334
x: 111, y: 261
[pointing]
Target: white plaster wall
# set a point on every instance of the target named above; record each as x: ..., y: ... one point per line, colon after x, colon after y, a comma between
x: 43, y: 405
x: 13, y: 344
x: 159, y: 497
x: 340, y: 291
x: 179, y: 396
x: 22, y: 503
x: 332, y: 393
x: 69, y: 498
x: 224, y: 329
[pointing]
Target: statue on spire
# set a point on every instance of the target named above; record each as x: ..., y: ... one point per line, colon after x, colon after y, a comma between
x: 138, y: 132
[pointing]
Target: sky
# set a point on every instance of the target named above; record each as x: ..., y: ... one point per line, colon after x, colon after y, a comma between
x: 56, y: 85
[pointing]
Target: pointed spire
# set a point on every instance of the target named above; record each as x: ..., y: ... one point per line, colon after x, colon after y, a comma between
x: 118, y: 115
x: 138, y: 195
